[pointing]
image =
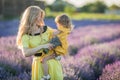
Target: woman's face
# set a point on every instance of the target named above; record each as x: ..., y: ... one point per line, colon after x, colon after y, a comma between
x: 40, y: 20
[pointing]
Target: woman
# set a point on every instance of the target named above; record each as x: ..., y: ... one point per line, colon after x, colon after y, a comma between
x: 32, y: 37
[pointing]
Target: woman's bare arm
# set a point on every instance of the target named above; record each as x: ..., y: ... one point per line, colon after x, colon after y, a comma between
x: 31, y: 51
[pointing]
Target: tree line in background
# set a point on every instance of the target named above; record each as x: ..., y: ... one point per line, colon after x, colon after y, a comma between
x: 14, y: 8
x: 63, y: 6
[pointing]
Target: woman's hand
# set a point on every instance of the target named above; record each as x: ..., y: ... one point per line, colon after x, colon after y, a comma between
x: 48, y: 45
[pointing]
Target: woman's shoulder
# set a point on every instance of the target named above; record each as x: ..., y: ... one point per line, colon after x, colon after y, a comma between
x: 25, y: 36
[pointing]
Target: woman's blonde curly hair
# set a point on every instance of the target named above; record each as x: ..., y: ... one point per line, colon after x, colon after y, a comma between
x: 27, y: 21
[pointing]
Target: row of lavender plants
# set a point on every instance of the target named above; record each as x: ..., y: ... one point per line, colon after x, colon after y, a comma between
x: 88, y: 35
x: 111, y: 72
x: 87, y: 64
x: 13, y: 66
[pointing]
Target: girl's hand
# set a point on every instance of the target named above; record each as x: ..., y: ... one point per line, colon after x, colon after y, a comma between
x: 56, y: 32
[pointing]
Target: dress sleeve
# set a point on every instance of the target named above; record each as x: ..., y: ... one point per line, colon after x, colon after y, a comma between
x: 25, y: 41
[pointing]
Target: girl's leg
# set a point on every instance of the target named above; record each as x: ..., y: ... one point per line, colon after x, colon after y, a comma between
x: 45, y: 68
x: 45, y: 71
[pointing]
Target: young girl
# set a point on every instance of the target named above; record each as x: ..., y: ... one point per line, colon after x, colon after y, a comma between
x: 32, y: 37
x: 64, y: 26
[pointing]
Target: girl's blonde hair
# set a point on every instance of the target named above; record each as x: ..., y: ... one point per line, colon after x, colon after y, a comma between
x: 28, y: 19
x: 64, y: 20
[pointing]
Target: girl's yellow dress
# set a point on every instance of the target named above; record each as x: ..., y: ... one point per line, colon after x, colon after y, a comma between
x: 55, y: 68
x: 63, y: 49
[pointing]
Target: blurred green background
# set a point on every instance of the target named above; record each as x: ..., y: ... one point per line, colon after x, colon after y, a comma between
x: 77, y: 9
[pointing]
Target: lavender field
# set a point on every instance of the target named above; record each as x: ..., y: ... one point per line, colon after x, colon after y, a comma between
x: 94, y: 54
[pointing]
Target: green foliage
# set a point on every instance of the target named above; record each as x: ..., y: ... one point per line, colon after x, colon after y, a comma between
x: 114, y: 7
x: 97, y: 7
x: 48, y: 12
x: 92, y: 16
x: 69, y: 9
x: 58, y: 5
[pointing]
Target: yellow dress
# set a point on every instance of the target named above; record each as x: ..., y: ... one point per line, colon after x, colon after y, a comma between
x: 55, y: 68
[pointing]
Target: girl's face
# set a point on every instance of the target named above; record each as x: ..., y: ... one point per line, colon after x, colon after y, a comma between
x: 58, y: 26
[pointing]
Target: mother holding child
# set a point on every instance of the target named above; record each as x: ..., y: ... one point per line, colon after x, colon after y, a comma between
x: 44, y: 43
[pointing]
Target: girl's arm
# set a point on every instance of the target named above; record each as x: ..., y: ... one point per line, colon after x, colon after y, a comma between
x: 55, y: 32
x: 31, y: 51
